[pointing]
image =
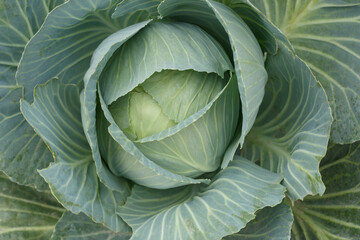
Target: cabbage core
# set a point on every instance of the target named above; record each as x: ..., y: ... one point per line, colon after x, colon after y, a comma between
x: 164, y: 100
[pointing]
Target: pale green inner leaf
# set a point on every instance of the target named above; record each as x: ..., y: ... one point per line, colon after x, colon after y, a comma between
x: 146, y: 116
x: 164, y: 100
x: 197, y: 144
x: 183, y: 93
x: 127, y: 160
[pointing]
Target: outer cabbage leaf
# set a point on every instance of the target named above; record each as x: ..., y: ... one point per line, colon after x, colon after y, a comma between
x: 291, y: 133
x: 18, y: 204
x: 22, y: 152
x: 336, y: 214
x: 88, y: 100
x: 55, y: 115
x: 248, y: 61
x: 325, y: 34
x: 81, y: 227
x: 200, y: 211
x: 269, y: 223
x: 19, y: 21
x: 264, y: 30
x: 129, y: 6
x: 65, y: 43
x: 197, y: 13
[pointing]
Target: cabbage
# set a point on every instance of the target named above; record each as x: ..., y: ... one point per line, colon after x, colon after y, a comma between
x: 168, y: 119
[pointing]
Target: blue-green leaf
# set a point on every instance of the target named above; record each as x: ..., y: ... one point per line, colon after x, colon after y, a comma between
x: 200, y: 211
x: 269, y: 223
x: 65, y: 43
x: 249, y: 64
x: 325, y: 34
x: 55, y: 115
x: 81, y: 227
x: 22, y: 152
x: 19, y: 21
x: 265, y: 31
x: 88, y: 102
x: 291, y: 132
x: 197, y: 13
x: 129, y: 6
x: 334, y: 215
x: 26, y: 213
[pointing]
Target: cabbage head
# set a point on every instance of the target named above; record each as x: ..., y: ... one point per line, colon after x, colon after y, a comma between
x: 179, y: 119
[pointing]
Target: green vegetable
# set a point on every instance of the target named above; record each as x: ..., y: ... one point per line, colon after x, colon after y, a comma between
x: 168, y: 119
x: 165, y: 100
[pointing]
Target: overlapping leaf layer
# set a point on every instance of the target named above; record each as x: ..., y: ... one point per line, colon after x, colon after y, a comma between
x: 289, y: 73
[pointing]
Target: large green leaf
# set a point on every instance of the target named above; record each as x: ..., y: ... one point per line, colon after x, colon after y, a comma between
x: 249, y: 64
x: 336, y: 214
x: 55, y: 115
x: 88, y: 100
x: 200, y: 211
x: 19, y: 21
x: 129, y: 6
x: 81, y: 227
x: 22, y: 152
x: 64, y: 45
x: 197, y: 13
x: 26, y: 213
x: 265, y: 31
x: 159, y: 46
x: 269, y: 223
x: 325, y: 34
x: 291, y: 133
